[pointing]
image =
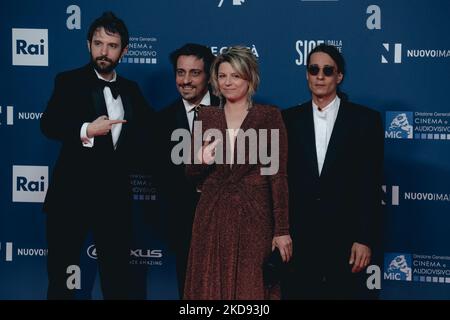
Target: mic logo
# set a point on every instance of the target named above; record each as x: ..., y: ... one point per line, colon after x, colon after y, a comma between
x: 235, y: 3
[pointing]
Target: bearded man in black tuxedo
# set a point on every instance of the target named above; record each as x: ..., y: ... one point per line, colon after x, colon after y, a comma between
x: 100, y: 118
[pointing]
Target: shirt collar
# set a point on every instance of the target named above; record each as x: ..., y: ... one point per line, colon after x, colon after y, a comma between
x: 206, y: 101
x: 333, y: 105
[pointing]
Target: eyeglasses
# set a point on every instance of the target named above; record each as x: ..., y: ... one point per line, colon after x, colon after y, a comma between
x: 314, y: 70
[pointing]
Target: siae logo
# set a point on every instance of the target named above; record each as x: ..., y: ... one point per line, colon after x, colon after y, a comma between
x: 235, y: 2
x: 30, y: 47
x: 304, y: 47
x: 397, y: 52
x: 30, y: 183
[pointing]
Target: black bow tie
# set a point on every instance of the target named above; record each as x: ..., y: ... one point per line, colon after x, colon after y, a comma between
x: 111, y: 85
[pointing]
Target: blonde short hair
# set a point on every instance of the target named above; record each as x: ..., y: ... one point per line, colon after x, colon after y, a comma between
x: 244, y: 62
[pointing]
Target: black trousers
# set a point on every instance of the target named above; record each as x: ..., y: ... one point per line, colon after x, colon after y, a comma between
x: 66, y: 234
x: 182, y: 210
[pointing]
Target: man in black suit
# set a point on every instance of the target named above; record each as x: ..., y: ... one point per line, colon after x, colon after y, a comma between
x: 335, y: 172
x: 191, y: 64
x: 99, y: 117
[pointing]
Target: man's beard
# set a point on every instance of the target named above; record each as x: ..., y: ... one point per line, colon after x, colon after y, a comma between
x: 104, y: 69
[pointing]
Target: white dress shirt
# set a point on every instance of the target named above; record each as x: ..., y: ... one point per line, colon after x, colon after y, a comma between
x: 206, y: 101
x: 324, y: 120
x: 115, y: 112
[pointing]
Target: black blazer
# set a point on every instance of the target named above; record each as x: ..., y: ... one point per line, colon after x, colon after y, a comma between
x: 82, y: 176
x: 171, y: 118
x: 341, y: 206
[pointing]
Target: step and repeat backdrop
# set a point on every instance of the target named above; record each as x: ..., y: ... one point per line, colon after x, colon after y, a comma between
x: 398, y: 62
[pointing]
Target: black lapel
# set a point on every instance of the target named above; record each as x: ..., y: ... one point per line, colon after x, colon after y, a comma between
x: 340, y: 130
x: 303, y: 134
x: 310, y: 139
x: 215, y: 101
x: 100, y: 109
x: 97, y: 93
x: 98, y: 104
x: 128, y: 111
x: 181, y: 117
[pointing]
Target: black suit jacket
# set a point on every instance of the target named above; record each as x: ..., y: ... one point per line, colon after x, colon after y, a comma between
x: 93, y: 177
x: 180, y: 192
x: 341, y: 206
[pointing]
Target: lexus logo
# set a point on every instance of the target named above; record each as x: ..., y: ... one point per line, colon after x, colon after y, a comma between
x: 92, y: 252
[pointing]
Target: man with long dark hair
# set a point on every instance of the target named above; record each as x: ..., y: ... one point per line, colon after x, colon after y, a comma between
x: 335, y: 172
